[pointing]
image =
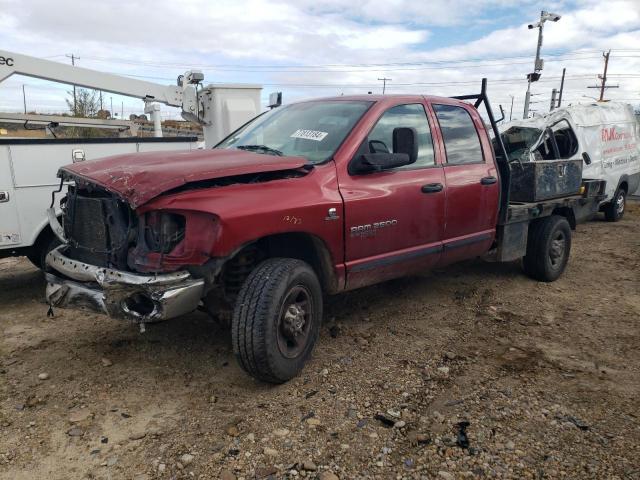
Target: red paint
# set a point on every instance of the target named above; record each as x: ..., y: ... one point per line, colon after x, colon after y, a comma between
x: 430, y: 229
x: 140, y: 177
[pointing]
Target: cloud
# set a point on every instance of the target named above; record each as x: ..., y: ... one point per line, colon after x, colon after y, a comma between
x: 162, y: 38
x: 254, y: 29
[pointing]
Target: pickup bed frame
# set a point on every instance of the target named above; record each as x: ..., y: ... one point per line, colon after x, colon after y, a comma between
x: 514, y: 218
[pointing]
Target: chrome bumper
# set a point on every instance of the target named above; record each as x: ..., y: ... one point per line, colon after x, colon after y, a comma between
x: 141, y: 298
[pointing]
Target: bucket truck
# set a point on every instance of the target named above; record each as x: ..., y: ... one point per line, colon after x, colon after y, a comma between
x: 28, y: 166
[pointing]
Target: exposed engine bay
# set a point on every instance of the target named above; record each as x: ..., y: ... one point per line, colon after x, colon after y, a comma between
x: 144, y: 265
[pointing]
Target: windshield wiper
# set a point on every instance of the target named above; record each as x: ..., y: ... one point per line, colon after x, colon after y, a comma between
x: 260, y: 148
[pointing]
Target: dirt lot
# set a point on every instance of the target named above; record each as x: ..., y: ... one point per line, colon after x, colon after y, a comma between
x: 547, y: 375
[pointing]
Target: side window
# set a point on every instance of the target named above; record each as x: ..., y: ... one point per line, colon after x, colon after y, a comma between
x: 565, y: 139
x: 461, y: 140
x: 380, y: 139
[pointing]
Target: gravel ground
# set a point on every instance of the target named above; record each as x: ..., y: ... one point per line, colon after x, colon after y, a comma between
x: 474, y: 371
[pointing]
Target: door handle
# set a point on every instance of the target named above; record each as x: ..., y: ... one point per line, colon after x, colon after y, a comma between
x: 4, y: 197
x: 432, y: 188
x: 488, y: 180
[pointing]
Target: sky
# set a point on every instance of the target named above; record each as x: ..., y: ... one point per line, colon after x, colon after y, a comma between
x: 308, y: 48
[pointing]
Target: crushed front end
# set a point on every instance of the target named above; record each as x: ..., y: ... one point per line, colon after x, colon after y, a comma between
x: 125, y: 263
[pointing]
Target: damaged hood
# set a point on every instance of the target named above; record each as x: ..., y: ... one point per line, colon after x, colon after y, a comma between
x: 140, y: 177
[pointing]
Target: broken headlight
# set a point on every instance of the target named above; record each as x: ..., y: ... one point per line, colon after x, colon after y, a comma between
x: 163, y: 231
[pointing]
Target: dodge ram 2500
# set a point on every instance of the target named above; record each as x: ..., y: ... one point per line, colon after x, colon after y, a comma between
x: 317, y: 197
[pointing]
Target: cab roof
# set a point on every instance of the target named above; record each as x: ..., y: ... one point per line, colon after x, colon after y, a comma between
x: 381, y: 98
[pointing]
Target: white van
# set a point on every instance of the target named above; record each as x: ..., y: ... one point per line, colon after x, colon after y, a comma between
x: 28, y: 169
x: 604, y: 135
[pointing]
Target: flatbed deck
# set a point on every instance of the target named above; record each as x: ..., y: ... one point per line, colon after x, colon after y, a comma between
x: 583, y: 205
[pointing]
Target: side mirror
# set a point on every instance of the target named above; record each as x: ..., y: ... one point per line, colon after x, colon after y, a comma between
x: 405, y: 152
x: 275, y: 100
x: 405, y: 140
x: 586, y: 158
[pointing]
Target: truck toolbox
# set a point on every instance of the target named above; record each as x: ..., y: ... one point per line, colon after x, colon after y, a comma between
x: 546, y: 179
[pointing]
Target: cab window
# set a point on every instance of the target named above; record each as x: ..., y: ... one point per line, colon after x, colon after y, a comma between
x: 380, y: 139
x: 461, y: 140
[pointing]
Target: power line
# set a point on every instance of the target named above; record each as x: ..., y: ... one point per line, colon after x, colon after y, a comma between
x: 468, y: 82
x: 334, y: 65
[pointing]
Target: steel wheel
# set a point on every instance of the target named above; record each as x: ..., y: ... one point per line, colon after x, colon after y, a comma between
x: 620, y: 203
x: 294, y: 321
x: 556, y: 250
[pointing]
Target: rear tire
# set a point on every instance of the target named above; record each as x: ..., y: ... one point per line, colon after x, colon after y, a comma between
x: 548, y: 248
x: 614, y: 210
x: 276, y: 319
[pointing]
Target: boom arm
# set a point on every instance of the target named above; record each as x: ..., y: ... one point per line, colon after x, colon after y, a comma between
x: 14, y: 63
x: 220, y: 108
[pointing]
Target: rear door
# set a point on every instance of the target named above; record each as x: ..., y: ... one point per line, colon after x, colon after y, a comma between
x: 9, y: 225
x: 394, y: 218
x: 473, y: 187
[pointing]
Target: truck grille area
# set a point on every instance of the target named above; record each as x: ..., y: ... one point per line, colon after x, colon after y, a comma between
x: 100, y: 228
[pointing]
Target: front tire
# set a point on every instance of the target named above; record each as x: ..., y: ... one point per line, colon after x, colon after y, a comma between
x: 276, y: 319
x: 614, y: 210
x: 548, y: 248
x: 41, y: 249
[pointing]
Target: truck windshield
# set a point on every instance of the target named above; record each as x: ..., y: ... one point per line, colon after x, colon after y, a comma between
x: 313, y: 130
x: 519, y: 140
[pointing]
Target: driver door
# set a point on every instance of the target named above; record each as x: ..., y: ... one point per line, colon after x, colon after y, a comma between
x: 394, y: 218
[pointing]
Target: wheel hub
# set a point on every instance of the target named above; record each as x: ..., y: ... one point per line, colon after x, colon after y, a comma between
x: 294, y: 320
x: 556, y: 251
x: 620, y: 204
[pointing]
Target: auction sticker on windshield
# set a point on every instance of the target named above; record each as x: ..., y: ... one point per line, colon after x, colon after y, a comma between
x: 309, y: 135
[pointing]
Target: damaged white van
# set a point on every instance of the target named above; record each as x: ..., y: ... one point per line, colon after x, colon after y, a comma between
x: 604, y: 135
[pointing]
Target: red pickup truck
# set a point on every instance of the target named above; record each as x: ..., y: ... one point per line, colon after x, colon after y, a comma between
x: 317, y: 197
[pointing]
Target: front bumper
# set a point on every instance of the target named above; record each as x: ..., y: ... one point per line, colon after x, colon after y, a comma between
x: 141, y: 298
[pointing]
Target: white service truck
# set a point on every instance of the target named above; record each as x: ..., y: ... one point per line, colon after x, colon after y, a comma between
x: 604, y: 134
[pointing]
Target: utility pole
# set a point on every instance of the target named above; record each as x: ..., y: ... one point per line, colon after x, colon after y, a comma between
x: 511, y: 112
x: 73, y: 62
x: 24, y: 99
x: 603, y: 78
x: 564, y: 70
x: 101, y: 100
x: 384, y: 81
x: 111, y: 114
x: 554, y: 92
x: 538, y: 63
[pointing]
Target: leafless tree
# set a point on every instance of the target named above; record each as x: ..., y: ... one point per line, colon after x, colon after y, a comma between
x: 86, y: 104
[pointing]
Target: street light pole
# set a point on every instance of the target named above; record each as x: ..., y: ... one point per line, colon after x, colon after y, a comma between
x: 538, y: 63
